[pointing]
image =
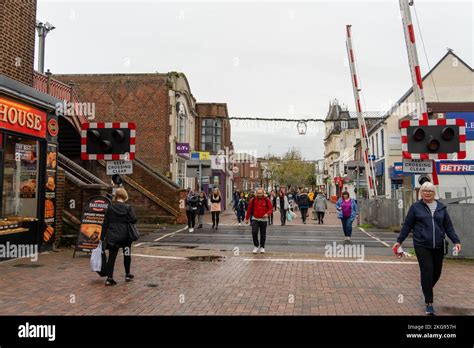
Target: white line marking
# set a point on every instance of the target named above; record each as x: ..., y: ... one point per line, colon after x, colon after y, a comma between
x: 388, y: 246
x: 334, y: 261
x: 136, y: 245
x: 161, y: 257
x: 170, y: 234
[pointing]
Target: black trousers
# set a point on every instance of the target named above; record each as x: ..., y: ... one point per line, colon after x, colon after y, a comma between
x: 191, y: 215
x: 283, y: 216
x: 270, y: 219
x: 320, y: 216
x: 431, y: 264
x: 215, y: 218
x: 256, y: 225
x: 304, y: 211
x: 127, y: 259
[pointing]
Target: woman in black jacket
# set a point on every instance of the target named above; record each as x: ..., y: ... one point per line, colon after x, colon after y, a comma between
x: 115, y: 233
x: 202, y: 206
x: 430, y: 222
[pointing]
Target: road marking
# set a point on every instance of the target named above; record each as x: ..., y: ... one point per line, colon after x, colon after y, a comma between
x: 170, y: 234
x: 161, y: 257
x: 333, y: 261
x: 381, y: 241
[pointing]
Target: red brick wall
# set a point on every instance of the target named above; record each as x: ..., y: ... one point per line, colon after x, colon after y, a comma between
x: 17, y: 30
x: 139, y: 98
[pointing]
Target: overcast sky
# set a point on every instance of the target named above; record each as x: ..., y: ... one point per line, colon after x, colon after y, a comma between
x: 264, y: 59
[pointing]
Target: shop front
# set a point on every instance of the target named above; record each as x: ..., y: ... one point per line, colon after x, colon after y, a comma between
x: 28, y: 163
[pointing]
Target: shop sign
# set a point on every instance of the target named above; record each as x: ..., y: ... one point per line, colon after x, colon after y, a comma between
x: 182, y: 149
x: 53, y: 128
x: 91, y: 223
x: 200, y: 155
x: 468, y: 117
x: 455, y: 167
x: 21, y: 118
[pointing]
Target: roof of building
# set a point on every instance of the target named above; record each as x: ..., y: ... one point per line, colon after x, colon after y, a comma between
x: 410, y: 90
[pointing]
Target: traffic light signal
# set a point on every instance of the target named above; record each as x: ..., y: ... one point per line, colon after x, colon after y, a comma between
x: 434, y: 139
x: 108, y: 141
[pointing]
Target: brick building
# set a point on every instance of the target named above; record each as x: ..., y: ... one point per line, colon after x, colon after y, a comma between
x: 161, y: 105
x: 213, y: 135
x: 247, y: 175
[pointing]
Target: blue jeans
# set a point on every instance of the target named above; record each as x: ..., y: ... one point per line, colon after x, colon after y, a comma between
x: 347, y: 226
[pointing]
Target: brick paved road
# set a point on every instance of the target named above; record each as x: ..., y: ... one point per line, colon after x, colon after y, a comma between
x: 244, y: 285
x: 292, y: 278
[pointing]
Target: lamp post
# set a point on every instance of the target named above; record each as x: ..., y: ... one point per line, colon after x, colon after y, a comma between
x: 43, y: 30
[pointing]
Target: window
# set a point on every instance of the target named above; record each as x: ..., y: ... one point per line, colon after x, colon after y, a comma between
x: 377, y: 145
x: 211, y: 135
x: 382, y: 154
x: 20, y: 177
x: 182, y: 118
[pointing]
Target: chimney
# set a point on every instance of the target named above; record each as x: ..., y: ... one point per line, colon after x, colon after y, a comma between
x: 17, y: 47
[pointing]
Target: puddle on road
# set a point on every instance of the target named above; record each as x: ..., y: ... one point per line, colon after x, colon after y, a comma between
x: 211, y: 258
x: 28, y: 265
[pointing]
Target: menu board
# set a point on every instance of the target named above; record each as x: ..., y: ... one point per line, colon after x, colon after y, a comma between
x: 91, y: 223
x: 50, y: 194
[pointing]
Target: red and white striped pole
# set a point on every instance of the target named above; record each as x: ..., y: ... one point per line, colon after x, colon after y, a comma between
x: 415, y: 71
x: 365, y: 141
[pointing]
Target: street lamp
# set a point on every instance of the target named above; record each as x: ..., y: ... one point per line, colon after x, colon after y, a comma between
x: 301, y: 126
x: 43, y: 30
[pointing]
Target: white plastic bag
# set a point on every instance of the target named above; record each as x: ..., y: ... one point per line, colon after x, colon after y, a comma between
x: 96, y: 258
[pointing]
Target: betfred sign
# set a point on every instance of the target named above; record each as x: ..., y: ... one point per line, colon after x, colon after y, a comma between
x: 22, y: 118
x: 455, y: 167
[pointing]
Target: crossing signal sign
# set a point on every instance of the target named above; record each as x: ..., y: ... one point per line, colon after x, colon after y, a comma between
x: 110, y: 141
x: 434, y: 139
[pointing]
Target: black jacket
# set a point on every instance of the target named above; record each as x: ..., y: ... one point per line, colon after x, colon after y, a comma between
x: 303, y: 200
x: 192, y: 202
x: 201, y: 205
x: 115, y: 226
x: 428, y: 231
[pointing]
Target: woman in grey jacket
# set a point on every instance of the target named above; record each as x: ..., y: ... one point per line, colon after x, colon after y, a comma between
x: 430, y: 222
x: 320, y: 206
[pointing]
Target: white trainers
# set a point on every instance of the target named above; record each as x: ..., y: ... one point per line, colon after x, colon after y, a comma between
x: 255, y: 250
x: 262, y: 250
x: 191, y: 230
x: 240, y: 224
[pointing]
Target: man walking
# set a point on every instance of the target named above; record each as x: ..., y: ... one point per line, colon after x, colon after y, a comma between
x: 303, y: 203
x: 259, y: 207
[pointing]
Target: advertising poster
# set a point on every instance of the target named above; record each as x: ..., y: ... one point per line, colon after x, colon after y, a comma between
x: 91, y: 223
x: 50, y: 195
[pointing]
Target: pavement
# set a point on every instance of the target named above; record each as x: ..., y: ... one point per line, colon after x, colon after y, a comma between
x: 210, y: 272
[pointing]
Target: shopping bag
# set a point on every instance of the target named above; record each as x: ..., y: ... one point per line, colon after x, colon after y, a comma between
x: 96, y: 258
x: 293, y: 214
x: 99, y: 261
x: 289, y: 217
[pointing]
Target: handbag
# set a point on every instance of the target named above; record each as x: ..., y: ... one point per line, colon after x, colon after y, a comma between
x: 133, y: 233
